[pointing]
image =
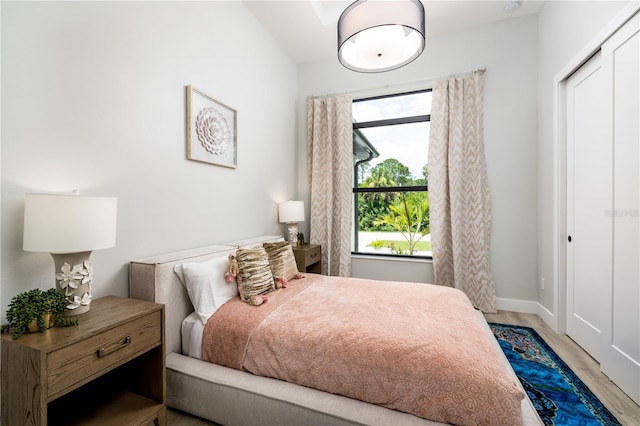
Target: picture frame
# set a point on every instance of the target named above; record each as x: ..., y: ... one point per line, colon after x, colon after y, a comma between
x: 212, y: 135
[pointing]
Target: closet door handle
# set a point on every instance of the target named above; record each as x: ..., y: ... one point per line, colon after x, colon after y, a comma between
x: 569, y: 239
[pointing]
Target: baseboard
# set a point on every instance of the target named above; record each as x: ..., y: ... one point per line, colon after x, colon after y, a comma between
x: 516, y: 305
x: 548, y: 317
x: 529, y: 307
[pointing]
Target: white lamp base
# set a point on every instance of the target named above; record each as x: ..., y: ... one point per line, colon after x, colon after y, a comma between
x: 292, y: 237
x: 74, y: 274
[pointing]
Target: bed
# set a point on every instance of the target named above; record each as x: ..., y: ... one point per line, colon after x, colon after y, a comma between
x: 231, y: 396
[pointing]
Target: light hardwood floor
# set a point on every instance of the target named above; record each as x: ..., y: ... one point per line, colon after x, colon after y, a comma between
x: 585, y: 367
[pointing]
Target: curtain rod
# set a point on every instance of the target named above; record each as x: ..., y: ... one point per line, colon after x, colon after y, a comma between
x: 396, y: 86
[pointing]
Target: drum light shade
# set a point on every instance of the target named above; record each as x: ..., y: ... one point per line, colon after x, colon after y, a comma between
x: 68, y: 223
x: 378, y: 35
x: 291, y: 211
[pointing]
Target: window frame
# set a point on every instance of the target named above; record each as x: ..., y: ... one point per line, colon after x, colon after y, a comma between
x: 358, y: 190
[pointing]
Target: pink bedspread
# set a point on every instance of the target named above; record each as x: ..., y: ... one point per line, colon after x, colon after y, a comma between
x: 416, y: 348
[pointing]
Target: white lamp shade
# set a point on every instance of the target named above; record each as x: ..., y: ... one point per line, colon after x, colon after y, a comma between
x: 379, y: 35
x: 291, y: 211
x: 69, y: 223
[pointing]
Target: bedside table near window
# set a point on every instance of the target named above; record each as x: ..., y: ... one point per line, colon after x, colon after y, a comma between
x: 107, y: 370
x: 308, y: 258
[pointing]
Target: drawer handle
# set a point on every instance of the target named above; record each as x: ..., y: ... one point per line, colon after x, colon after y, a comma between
x: 314, y: 254
x: 103, y: 352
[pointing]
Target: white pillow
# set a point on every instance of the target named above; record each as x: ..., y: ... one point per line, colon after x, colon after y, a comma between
x: 206, y: 285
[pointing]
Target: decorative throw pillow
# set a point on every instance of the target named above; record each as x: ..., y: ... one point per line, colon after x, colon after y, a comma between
x: 206, y: 285
x: 254, y: 275
x: 282, y: 261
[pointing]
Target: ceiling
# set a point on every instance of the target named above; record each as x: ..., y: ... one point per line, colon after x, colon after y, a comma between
x: 307, y: 28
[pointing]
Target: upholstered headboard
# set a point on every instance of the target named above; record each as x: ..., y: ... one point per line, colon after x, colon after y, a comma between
x: 154, y: 279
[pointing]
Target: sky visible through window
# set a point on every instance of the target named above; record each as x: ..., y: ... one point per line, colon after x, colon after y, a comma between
x: 407, y: 143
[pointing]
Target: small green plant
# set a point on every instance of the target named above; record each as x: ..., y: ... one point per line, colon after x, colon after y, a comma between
x: 55, y: 304
x: 37, y: 310
x: 23, y: 309
x: 300, y: 238
x: 377, y: 244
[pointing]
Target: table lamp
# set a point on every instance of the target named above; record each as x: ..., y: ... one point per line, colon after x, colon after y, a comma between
x: 291, y: 212
x: 70, y: 227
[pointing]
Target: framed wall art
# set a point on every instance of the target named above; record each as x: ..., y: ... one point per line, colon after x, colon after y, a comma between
x: 211, y: 130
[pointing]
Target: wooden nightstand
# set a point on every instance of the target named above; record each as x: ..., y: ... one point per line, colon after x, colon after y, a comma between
x: 308, y: 258
x: 108, y: 370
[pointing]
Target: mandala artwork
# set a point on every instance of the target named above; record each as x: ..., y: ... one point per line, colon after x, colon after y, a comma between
x: 213, y: 131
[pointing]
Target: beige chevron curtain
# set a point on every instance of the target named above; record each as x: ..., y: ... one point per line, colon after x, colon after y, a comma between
x: 460, y: 205
x: 330, y: 140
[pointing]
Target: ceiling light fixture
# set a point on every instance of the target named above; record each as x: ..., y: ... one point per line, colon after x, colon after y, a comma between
x: 512, y: 6
x: 378, y: 35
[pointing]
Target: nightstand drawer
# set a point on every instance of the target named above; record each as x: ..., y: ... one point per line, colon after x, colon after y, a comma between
x: 78, y: 363
x: 312, y: 256
x: 308, y: 258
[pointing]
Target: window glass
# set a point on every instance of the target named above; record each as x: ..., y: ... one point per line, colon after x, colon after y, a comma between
x: 408, y: 105
x: 405, y: 144
x: 390, y: 193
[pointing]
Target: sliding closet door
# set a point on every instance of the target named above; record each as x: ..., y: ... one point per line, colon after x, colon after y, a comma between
x: 589, y: 195
x: 621, y: 326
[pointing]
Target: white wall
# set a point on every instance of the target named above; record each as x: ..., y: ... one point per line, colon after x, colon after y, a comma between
x: 509, y: 51
x: 565, y: 28
x: 93, y: 98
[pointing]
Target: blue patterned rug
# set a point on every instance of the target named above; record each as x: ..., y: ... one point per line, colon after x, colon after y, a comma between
x: 558, y: 395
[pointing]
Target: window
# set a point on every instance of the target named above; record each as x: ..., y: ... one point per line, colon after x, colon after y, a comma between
x: 390, y: 148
